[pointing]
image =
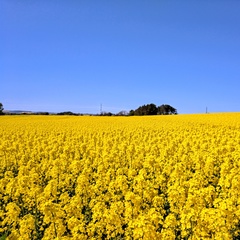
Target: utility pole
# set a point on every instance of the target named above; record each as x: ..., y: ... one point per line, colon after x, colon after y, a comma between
x: 100, y: 109
x: 206, y: 110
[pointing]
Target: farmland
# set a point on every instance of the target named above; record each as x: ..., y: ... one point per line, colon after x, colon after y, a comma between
x: 152, y: 177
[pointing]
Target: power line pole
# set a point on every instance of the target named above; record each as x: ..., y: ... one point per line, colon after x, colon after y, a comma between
x: 100, y: 109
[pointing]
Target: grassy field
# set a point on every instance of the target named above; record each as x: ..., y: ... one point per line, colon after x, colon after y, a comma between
x: 151, y: 177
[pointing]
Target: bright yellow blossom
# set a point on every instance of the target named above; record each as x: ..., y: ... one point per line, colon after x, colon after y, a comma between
x: 150, y: 177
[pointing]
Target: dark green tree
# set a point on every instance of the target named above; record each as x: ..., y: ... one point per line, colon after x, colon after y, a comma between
x: 131, y: 113
x: 106, y: 114
x: 67, y: 113
x: 1, y: 109
x: 166, y: 109
x: 149, y: 109
x: 152, y: 109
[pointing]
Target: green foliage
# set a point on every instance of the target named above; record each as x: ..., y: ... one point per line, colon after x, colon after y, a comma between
x: 3, y: 237
x: 149, y: 109
x: 1, y: 109
x: 152, y: 109
x: 67, y: 113
x: 166, y: 109
x: 106, y: 114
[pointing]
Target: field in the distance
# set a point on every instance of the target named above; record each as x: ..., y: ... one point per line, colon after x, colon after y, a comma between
x: 153, y: 177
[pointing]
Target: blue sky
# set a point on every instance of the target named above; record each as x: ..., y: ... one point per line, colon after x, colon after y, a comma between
x: 59, y: 55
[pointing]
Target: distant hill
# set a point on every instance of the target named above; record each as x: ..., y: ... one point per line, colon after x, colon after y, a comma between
x: 16, y: 112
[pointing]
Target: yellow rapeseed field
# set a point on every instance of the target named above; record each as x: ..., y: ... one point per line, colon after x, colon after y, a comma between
x: 152, y: 177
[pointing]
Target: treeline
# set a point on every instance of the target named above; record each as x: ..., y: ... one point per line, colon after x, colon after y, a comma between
x: 1, y: 109
x: 148, y: 109
x: 68, y: 113
x: 152, y: 109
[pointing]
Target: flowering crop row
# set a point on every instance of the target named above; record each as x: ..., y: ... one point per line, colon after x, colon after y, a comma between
x: 153, y: 177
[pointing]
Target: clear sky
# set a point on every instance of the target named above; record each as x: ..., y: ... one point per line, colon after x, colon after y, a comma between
x: 60, y: 55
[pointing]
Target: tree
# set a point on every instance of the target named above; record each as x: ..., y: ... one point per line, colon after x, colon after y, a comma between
x: 166, y: 109
x: 152, y: 109
x: 106, y: 114
x: 149, y: 109
x: 67, y: 113
x: 1, y: 109
x: 131, y: 113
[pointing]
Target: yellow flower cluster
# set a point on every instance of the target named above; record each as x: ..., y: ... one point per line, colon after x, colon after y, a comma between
x: 152, y: 177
